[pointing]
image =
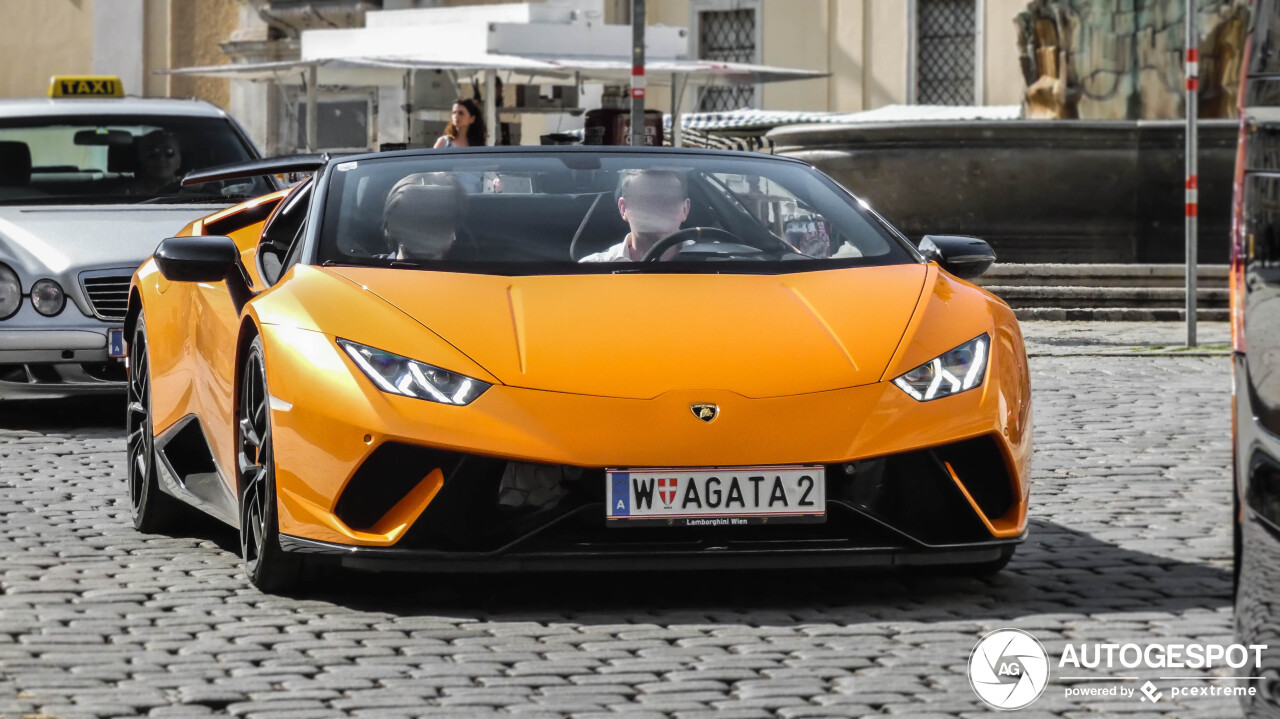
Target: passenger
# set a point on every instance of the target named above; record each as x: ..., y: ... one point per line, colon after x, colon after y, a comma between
x: 654, y: 203
x: 159, y: 158
x: 420, y: 216
x: 466, y: 126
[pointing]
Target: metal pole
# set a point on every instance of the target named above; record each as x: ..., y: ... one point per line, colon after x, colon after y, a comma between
x: 1193, y: 182
x: 911, y: 51
x: 491, y: 104
x: 312, y: 120
x: 677, y: 97
x: 637, y: 72
x: 408, y: 107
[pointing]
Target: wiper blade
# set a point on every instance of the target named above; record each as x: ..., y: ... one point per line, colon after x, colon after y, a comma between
x: 66, y: 200
x: 185, y: 199
x: 401, y: 264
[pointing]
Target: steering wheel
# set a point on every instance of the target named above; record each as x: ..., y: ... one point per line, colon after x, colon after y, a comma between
x: 679, y: 237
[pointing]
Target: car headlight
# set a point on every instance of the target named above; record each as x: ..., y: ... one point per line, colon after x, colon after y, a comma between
x: 47, y: 297
x: 951, y: 373
x: 411, y: 378
x: 10, y: 292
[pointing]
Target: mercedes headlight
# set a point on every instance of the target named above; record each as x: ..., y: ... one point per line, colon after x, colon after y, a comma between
x: 10, y: 292
x: 411, y: 378
x: 950, y: 373
x: 47, y: 297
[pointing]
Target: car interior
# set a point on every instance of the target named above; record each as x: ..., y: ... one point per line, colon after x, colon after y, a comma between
x: 544, y: 226
x: 15, y: 168
x: 69, y: 179
x: 91, y: 162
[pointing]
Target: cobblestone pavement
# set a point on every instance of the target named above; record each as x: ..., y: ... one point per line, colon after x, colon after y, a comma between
x: 1124, y: 338
x: 1129, y: 540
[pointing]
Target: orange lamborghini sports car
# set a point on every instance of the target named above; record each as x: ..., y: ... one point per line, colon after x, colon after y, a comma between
x: 491, y: 359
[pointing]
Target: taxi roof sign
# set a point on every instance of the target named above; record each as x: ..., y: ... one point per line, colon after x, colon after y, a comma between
x: 85, y: 86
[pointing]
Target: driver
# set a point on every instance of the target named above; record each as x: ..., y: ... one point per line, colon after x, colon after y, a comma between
x: 420, y: 216
x: 654, y: 203
x: 159, y: 159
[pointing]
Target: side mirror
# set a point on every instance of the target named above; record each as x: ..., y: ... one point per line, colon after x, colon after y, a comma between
x: 202, y: 258
x: 964, y: 257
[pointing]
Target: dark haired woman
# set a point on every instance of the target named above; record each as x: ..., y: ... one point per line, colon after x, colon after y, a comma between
x: 466, y: 128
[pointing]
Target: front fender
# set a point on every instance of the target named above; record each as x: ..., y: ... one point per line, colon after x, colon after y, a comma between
x: 952, y: 312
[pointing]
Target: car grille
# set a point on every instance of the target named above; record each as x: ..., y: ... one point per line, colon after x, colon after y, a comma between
x: 906, y: 499
x: 108, y: 294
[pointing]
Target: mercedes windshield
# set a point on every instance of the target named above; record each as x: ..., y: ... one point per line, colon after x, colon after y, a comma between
x: 119, y: 159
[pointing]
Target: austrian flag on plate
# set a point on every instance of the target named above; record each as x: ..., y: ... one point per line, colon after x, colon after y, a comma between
x: 667, y: 495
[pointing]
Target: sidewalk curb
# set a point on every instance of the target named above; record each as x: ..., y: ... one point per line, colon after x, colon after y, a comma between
x: 1130, y: 353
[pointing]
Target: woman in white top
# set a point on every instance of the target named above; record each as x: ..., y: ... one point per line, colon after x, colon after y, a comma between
x: 466, y: 128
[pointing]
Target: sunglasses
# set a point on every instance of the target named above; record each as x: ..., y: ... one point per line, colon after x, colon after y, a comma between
x: 161, y: 152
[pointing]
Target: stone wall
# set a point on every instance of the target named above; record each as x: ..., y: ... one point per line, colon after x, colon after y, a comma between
x: 1037, y: 190
x: 40, y: 38
x: 196, y: 31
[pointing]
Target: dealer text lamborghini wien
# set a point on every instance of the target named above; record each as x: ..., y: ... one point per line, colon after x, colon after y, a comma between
x: 493, y: 359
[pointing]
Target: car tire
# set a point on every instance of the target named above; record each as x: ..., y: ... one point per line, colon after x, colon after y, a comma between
x: 266, y: 564
x: 152, y: 511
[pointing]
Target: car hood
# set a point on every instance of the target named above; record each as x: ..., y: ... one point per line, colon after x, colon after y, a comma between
x: 640, y: 335
x: 60, y: 241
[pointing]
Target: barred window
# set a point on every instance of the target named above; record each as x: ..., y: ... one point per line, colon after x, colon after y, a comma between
x: 945, y: 52
x: 728, y: 35
x: 341, y: 122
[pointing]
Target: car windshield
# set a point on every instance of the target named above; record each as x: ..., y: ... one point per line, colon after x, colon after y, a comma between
x: 590, y: 212
x: 119, y: 159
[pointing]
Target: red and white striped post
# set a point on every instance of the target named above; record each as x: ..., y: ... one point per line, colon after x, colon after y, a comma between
x: 637, y: 72
x: 1193, y: 181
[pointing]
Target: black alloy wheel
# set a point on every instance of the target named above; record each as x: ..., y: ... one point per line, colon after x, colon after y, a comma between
x: 268, y: 566
x: 151, y: 509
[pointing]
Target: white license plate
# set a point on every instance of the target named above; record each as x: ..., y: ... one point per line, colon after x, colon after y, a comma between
x: 115, y: 342
x: 711, y: 497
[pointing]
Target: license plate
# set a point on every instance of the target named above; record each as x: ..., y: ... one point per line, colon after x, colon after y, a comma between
x: 115, y: 342
x: 714, y: 497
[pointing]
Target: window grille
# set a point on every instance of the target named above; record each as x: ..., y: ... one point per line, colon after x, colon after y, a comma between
x: 728, y: 35
x: 945, y: 52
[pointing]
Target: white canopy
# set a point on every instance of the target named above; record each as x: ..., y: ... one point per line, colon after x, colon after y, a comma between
x: 534, y: 70
x: 678, y: 73
x: 527, y: 40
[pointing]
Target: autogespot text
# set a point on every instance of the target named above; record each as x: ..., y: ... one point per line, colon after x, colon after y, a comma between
x: 1161, y: 656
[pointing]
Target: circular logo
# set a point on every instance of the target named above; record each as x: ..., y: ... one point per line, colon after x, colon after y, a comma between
x: 1008, y: 669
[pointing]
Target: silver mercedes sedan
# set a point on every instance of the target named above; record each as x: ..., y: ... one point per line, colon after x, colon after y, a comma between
x: 88, y: 187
